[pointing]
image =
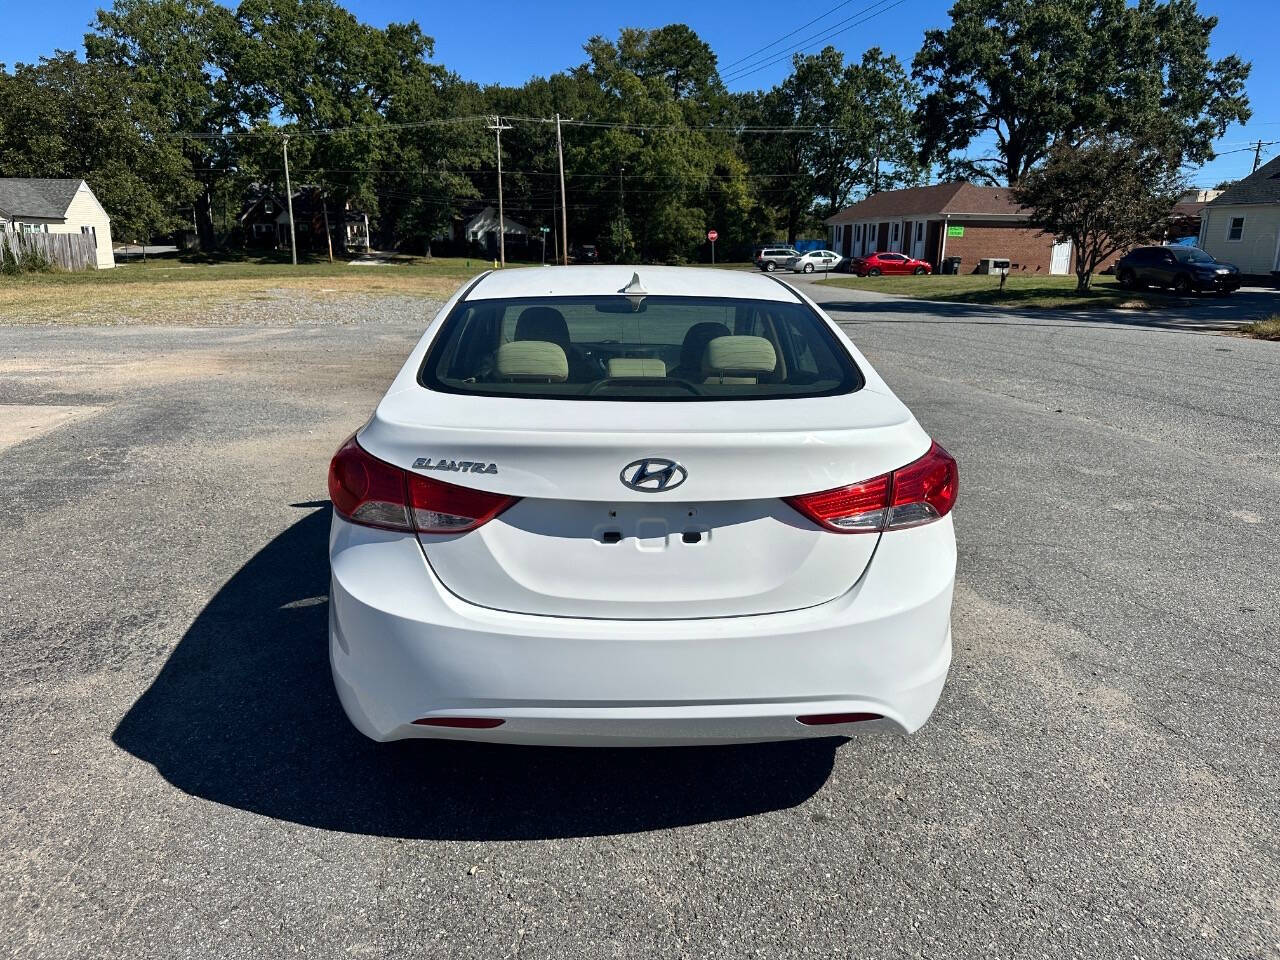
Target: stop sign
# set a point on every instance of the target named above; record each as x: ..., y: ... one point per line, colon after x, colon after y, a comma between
x: 712, y: 236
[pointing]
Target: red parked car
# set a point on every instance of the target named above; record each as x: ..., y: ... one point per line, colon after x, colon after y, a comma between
x: 875, y: 264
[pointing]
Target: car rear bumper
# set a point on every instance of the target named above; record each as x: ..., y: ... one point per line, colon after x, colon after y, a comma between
x: 403, y: 648
x: 1227, y: 284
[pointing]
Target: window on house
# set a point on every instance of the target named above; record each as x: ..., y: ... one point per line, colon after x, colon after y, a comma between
x: 894, y: 238
x: 262, y: 229
x: 920, y: 231
x: 1235, y: 230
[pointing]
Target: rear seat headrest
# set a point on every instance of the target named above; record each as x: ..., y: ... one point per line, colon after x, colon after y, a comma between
x: 534, y: 360
x: 738, y: 356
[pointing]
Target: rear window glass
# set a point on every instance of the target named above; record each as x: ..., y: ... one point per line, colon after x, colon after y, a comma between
x: 661, y: 348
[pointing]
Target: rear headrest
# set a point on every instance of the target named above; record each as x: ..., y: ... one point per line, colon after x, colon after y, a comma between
x: 738, y: 356
x: 532, y: 360
x: 542, y: 323
x: 695, y: 343
x: 636, y: 367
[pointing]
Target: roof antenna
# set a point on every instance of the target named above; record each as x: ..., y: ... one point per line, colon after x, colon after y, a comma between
x: 634, y: 292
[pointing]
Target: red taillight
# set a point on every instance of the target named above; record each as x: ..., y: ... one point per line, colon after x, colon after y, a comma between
x: 920, y: 492
x: 374, y: 493
x: 367, y: 490
x: 925, y: 490
x: 439, y: 507
x: 859, y: 508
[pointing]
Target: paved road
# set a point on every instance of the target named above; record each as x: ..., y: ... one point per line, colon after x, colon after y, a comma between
x: 1100, y: 779
x: 1201, y: 312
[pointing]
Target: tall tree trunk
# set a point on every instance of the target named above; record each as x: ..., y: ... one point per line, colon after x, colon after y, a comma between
x: 204, y: 219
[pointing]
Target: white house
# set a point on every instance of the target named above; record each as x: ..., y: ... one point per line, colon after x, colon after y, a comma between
x: 56, y: 206
x: 1242, y: 226
x: 482, y: 228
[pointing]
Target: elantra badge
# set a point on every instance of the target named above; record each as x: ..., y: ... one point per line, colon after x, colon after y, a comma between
x: 464, y: 466
x: 653, y: 475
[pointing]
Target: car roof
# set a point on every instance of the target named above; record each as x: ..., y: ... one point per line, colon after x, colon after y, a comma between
x: 597, y: 280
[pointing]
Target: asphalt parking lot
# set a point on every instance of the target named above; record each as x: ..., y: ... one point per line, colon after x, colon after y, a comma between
x: 1100, y: 778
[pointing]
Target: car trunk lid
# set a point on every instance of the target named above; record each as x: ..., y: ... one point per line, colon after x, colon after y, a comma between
x: 719, y: 541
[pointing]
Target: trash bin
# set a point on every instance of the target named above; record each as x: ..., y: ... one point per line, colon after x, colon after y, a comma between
x: 951, y: 265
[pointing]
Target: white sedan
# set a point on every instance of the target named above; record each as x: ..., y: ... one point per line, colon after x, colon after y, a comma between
x: 819, y: 260
x: 670, y: 507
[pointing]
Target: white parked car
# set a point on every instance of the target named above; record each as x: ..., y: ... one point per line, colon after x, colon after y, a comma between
x: 819, y: 260
x: 672, y: 507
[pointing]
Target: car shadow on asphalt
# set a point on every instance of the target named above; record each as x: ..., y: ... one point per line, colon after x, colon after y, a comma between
x: 244, y: 713
x: 1201, y: 314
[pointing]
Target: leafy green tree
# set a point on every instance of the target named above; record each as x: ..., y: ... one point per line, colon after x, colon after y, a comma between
x: 323, y: 70
x: 64, y: 118
x: 183, y: 52
x: 1105, y: 195
x: 865, y: 141
x: 675, y: 174
x: 1030, y: 74
x: 778, y: 165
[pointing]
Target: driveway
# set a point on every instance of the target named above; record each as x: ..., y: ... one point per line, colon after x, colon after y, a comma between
x: 1100, y: 778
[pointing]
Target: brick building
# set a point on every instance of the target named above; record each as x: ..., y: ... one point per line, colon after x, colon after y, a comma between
x: 948, y: 220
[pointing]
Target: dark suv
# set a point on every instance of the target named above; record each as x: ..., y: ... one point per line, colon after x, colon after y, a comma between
x: 1185, y: 269
x: 587, y: 253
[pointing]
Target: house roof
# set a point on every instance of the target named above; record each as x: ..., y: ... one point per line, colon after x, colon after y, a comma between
x: 37, y: 198
x: 1261, y: 186
x: 956, y: 199
x: 1188, y: 208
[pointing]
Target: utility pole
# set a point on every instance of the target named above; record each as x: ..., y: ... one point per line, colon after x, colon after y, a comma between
x: 1257, y: 156
x: 564, y: 210
x: 497, y: 128
x: 288, y: 192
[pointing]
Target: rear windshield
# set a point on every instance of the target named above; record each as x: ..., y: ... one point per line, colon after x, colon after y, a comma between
x: 661, y: 348
x: 1191, y: 255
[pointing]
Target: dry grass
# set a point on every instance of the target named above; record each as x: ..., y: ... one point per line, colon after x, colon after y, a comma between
x: 174, y: 291
x: 1268, y: 328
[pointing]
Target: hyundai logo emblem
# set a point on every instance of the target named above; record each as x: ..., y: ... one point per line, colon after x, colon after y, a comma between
x: 653, y: 475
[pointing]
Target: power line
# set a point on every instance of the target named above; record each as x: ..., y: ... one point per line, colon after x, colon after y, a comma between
x: 327, y: 131
x: 815, y: 39
x: 728, y: 66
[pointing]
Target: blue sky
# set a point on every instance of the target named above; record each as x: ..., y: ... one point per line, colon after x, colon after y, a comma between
x: 507, y: 41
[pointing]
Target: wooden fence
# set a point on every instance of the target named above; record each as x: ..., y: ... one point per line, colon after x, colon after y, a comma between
x: 67, y: 251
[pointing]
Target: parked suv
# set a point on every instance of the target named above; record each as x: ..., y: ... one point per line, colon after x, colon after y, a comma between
x: 587, y: 253
x: 770, y: 259
x: 1185, y: 269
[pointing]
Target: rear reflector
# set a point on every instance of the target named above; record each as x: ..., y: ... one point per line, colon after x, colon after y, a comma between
x: 823, y: 719
x: 374, y: 493
x: 921, y: 492
x: 462, y: 723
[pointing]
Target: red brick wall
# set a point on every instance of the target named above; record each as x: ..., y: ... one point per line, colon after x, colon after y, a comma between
x: 1028, y: 249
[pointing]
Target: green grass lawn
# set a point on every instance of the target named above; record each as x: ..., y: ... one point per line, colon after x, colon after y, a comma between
x: 1038, y: 292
